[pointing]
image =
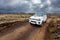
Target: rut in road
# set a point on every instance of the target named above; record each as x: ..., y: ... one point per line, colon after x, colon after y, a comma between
x: 11, y: 27
x: 26, y: 32
x: 39, y: 34
x: 19, y: 34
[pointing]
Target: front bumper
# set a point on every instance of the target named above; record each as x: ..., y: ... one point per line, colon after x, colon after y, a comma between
x: 36, y: 22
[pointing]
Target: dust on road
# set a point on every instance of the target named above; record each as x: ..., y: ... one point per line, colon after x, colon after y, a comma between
x: 24, y: 32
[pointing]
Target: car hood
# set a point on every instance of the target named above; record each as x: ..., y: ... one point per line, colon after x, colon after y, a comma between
x: 36, y: 17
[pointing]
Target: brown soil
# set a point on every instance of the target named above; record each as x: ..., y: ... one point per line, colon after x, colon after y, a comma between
x: 53, y: 31
x: 24, y: 31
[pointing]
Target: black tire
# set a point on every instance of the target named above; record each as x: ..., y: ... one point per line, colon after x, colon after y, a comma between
x: 45, y: 22
x: 31, y: 23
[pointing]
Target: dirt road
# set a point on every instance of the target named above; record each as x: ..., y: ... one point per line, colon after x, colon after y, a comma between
x: 24, y: 31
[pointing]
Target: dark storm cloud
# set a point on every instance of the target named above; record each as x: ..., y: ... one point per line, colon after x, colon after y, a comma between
x: 56, y: 3
x: 26, y: 5
x: 14, y: 6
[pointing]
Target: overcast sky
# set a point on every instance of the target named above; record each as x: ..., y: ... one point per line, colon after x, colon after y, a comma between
x: 29, y: 5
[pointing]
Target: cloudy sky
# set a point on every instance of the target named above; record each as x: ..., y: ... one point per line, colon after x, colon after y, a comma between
x: 52, y: 6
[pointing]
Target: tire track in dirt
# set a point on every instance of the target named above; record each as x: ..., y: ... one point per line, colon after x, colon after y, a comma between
x: 26, y: 32
x: 19, y: 33
x: 39, y: 34
x: 11, y: 27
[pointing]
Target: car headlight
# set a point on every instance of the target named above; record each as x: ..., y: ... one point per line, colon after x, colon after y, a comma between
x: 29, y: 18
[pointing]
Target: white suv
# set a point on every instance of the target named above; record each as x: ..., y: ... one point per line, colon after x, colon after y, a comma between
x: 38, y: 19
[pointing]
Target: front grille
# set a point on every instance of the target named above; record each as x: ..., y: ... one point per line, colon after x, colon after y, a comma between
x: 33, y: 21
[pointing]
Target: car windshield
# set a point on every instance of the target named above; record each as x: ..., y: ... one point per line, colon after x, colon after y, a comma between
x: 39, y: 14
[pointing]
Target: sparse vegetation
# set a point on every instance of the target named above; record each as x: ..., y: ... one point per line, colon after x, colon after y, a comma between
x: 9, y: 18
x: 13, y: 17
x: 53, y: 28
